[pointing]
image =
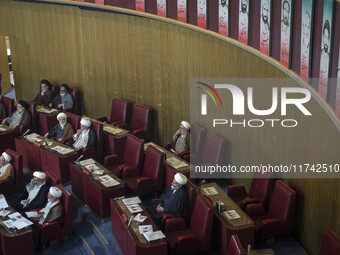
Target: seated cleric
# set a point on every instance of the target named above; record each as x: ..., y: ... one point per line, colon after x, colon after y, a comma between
x: 173, y: 201
x: 181, y: 139
x: 34, y: 195
x: 63, y: 131
x: 20, y: 117
x: 85, y: 136
x: 6, y: 168
x: 64, y: 100
x: 44, y: 96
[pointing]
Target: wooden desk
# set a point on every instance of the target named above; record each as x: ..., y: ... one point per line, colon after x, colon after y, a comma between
x: 244, y: 226
x: 128, y: 238
x: 45, y: 159
x: 47, y: 119
x: 90, y: 190
x: 6, y: 138
x: 170, y: 170
x: 15, y: 241
x: 262, y: 252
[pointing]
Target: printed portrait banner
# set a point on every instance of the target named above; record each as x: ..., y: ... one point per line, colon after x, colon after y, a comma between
x: 286, y: 30
x: 223, y: 17
x: 161, y: 8
x: 243, y: 21
x: 306, y: 30
x: 101, y: 2
x: 182, y: 10
x: 325, y: 48
x: 265, y: 26
x: 337, y: 99
x: 140, y: 5
x: 202, y: 13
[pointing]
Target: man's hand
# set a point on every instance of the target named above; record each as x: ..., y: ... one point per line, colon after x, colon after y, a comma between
x: 178, y: 132
x: 60, y: 105
x: 46, y: 135
x: 159, y: 208
x: 60, y: 139
x: 50, y: 104
x: 3, y: 122
x: 42, y: 93
x: 27, y: 201
x: 78, y: 131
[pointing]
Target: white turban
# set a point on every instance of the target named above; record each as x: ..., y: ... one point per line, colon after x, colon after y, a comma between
x: 85, y: 122
x: 55, y: 192
x: 61, y: 115
x: 186, y: 124
x: 6, y: 156
x: 39, y: 175
x: 180, y: 179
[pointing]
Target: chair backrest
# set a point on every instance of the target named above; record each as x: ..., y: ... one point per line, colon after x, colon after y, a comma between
x: 133, y: 151
x: 34, y: 116
x: 262, y: 188
x: 76, y: 100
x: 213, y: 149
x: 9, y: 103
x: 330, y: 244
x: 17, y: 164
x: 198, y: 133
x: 55, y: 90
x: 74, y: 120
x: 98, y: 129
x: 192, y: 193
x: 201, y: 223
x: 66, y: 200
x: 235, y: 246
x: 282, y: 205
x: 120, y: 110
x: 142, y: 119
x: 153, y: 166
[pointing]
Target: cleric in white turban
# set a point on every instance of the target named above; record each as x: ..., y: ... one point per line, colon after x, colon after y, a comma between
x: 63, y: 131
x: 173, y: 201
x: 6, y: 168
x: 85, y: 136
x: 181, y: 140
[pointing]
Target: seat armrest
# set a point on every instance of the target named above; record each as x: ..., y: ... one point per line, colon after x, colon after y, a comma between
x: 269, y: 229
x: 103, y: 119
x: 89, y: 152
x: 174, y: 224
x: 237, y: 191
x: 111, y: 160
x: 254, y: 210
x: 50, y: 226
x: 165, y: 216
x: 129, y: 171
x: 167, y: 146
x: 183, y: 153
x: 139, y: 133
x: 248, y: 201
x: 144, y: 184
x: 189, y: 242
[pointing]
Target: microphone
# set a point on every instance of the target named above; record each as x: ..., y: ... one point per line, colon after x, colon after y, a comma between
x: 27, y: 131
x: 77, y: 161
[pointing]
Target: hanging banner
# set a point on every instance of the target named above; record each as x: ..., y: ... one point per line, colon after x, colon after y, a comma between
x: 325, y: 48
x: 243, y: 21
x: 223, y: 16
x: 306, y: 29
x: 161, y: 8
x: 337, y: 99
x: 202, y: 13
x: 265, y: 26
x: 286, y: 30
x: 182, y: 11
x: 140, y: 5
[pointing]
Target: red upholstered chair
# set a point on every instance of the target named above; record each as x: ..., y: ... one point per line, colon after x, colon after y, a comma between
x: 330, y: 244
x: 197, y: 237
x: 95, y: 151
x: 260, y: 191
x: 9, y: 104
x: 235, y: 246
x: 34, y: 117
x: 198, y: 134
x: 171, y: 224
x: 141, y: 122
x: 54, y: 230
x: 74, y: 120
x: 76, y: 101
x: 120, y: 113
x: 152, y: 178
x: 279, y: 219
x: 213, y: 150
x: 9, y: 187
x: 132, y: 160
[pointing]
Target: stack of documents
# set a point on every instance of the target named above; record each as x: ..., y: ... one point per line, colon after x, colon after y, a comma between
x: 176, y: 163
x: 62, y: 150
x: 231, y: 215
x: 132, y: 204
x: 87, y: 162
x: 16, y: 220
x: 113, y: 130
x: 210, y: 191
x: 151, y: 236
x: 108, y: 181
x: 33, y: 138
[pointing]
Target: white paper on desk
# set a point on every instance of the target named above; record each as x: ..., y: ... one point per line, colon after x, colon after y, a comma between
x: 33, y: 214
x: 231, y: 214
x: 131, y: 200
x: 62, y: 150
x: 150, y: 236
x: 145, y: 228
x: 176, y: 163
x: 140, y: 218
x: 15, y: 215
x: 105, y: 178
x: 134, y: 208
x: 3, y: 203
x: 8, y: 223
x: 110, y: 183
x: 21, y: 223
x: 31, y: 136
x: 87, y: 162
x: 112, y: 130
x: 98, y: 172
x: 210, y: 191
x: 92, y: 167
x: 4, y: 213
x: 2, y: 129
